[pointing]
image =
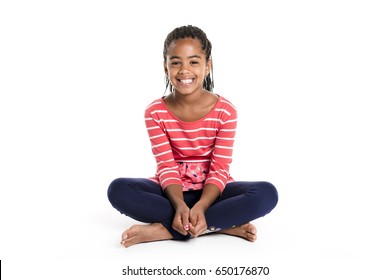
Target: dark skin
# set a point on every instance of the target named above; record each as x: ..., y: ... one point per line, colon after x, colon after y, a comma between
x: 186, y: 66
x: 191, y: 112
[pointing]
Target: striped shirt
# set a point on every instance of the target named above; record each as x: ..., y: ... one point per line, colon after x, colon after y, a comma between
x: 182, y: 148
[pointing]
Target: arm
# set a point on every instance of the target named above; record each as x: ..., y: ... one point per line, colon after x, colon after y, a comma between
x: 181, y: 219
x: 221, y: 156
x: 198, y: 223
x: 167, y: 170
x: 209, y: 194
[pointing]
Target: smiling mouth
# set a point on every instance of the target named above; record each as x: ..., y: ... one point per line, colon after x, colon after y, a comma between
x: 186, y: 81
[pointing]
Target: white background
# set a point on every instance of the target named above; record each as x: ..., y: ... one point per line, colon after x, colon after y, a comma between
x: 310, y: 80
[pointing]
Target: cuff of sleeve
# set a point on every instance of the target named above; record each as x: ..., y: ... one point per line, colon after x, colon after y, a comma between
x: 221, y: 185
x: 170, y: 181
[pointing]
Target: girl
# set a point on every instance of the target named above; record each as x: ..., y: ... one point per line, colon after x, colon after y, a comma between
x: 191, y: 132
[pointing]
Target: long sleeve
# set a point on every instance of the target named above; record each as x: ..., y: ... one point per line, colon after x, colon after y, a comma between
x: 167, y: 168
x: 221, y: 156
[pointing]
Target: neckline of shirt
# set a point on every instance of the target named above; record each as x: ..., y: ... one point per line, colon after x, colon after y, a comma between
x: 193, y: 122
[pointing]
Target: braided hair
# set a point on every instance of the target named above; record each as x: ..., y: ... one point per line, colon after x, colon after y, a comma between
x: 193, y: 32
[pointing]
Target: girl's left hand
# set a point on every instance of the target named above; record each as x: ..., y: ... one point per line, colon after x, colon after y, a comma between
x: 198, y: 223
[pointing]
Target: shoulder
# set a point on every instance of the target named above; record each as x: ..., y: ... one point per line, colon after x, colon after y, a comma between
x: 157, y: 104
x: 224, y: 103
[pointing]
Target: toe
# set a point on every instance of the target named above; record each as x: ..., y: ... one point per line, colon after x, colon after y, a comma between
x: 125, y: 234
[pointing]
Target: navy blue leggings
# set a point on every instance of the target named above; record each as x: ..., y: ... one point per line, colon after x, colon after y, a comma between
x: 240, y: 203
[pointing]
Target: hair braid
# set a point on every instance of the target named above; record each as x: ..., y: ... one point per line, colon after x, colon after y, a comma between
x: 193, y: 32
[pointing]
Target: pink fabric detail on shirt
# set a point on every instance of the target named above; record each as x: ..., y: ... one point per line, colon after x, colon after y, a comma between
x: 192, y: 175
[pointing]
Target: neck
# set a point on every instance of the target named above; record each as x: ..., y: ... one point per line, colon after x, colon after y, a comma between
x: 188, y: 99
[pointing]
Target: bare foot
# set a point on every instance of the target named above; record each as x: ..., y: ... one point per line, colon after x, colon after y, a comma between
x: 144, y: 233
x: 247, y: 231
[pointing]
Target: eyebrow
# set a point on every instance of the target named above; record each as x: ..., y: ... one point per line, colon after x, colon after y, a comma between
x: 191, y: 56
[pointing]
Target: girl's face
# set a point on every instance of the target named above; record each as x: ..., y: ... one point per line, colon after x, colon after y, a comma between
x: 186, y: 66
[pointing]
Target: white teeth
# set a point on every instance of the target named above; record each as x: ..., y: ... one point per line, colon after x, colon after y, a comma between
x: 186, y: 81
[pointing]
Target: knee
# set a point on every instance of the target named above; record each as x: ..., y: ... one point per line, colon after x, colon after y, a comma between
x: 267, y: 195
x: 115, y: 189
x: 270, y: 191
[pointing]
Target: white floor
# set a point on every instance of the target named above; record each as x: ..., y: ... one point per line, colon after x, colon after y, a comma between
x: 302, y: 237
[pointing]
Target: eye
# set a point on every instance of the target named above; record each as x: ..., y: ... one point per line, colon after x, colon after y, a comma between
x: 175, y: 63
x: 194, y: 62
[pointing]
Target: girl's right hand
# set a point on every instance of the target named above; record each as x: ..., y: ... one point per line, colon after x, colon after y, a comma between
x: 181, y: 221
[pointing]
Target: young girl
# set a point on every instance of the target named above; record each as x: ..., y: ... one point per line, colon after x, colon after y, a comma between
x: 191, y: 132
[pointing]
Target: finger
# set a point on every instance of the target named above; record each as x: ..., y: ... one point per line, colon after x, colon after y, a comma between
x: 197, y: 230
x: 192, y: 230
x: 193, y: 225
x: 202, y: 230
x: 186, y: 222
x: 194, y: 220
x: 178, y: 225
x: 180, y: 230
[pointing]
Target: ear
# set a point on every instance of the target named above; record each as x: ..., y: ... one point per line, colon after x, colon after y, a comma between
x: 165, y: 68
x: 209, y: 65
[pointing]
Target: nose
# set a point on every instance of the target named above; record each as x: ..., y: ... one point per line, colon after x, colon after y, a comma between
x: 184, y: 69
